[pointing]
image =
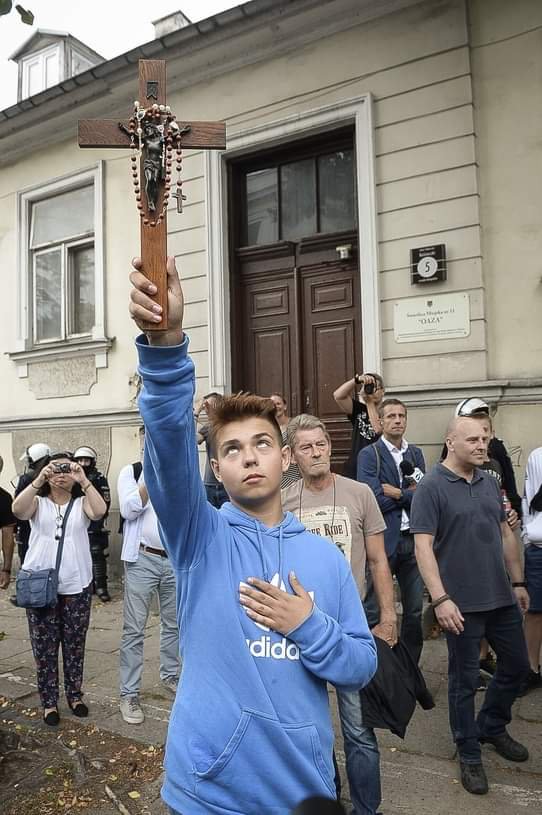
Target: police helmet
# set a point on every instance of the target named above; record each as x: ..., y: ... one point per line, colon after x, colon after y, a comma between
x: 85, y: 452
x: 36, y: 452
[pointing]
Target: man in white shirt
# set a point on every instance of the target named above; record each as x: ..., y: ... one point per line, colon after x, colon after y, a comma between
x: 392, y: 468
x: 146, y: 569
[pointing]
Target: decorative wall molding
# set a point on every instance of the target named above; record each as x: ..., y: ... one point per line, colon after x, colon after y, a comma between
x: 495, y: 392
x: 58, y: 378
x: 66, y: 439
x: 128, y: 417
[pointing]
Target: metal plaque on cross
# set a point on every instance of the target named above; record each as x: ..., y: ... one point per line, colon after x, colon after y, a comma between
x: 156, y: 138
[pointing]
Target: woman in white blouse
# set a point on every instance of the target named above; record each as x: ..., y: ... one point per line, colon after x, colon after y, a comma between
x: 44, y: 503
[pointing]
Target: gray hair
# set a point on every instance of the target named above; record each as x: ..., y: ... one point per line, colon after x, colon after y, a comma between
x: 304, y: 422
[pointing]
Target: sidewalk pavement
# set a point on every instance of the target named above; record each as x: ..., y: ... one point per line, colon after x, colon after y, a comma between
x: 419, y: 774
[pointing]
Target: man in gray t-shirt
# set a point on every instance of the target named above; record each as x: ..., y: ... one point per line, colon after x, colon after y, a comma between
x: 466, y: 553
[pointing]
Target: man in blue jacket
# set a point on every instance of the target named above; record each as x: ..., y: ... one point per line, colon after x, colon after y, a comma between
x: 268, y: 613
x: 392, y: 467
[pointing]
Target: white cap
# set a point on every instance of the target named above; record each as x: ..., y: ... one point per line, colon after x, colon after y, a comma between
x: 85, y: 452
x: 36, y: 451
x: 469, y: 407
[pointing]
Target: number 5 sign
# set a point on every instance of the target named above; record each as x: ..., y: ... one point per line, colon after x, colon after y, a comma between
x: 428, y: 264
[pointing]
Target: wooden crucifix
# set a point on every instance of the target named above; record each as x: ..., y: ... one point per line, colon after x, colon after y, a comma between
x: 154, y: 135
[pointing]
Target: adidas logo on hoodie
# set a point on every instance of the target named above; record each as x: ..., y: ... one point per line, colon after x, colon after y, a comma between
x: 264, y: 646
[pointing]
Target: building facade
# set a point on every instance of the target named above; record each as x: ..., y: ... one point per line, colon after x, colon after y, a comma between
x: 358, y: 132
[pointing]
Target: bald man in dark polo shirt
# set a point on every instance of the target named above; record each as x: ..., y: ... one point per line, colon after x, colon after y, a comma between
x: 467, y: 556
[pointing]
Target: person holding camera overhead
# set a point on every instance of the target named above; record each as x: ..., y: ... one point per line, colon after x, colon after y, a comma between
x: 60, y: 492
x: 360, y: 398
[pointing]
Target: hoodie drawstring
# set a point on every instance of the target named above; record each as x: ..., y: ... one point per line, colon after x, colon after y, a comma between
x: 260, y: 550
x: 262, y: 555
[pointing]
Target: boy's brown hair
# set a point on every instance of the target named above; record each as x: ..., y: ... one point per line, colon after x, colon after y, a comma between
x: 240, y: 406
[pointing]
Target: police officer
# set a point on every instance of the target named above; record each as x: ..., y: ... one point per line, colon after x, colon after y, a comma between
x: 98, y: 535
x: 35, y: 457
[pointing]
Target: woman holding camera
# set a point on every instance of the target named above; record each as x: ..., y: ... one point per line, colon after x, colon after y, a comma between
x: 44, y: 503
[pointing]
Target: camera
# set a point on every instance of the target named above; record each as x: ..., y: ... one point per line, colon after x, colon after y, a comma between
x: 62, y: 468
x: 369, y: 388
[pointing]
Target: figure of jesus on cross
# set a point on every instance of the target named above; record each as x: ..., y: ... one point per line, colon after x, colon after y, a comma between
x: 153, y: 134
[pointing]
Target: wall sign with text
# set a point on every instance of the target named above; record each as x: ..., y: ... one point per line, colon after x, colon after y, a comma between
x: 428, y: 264
x: 440, y: 317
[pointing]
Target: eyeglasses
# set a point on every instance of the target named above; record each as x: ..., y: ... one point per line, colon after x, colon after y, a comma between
x: 475, y: 412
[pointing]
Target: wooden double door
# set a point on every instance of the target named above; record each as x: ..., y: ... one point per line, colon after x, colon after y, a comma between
x: 296, y: 327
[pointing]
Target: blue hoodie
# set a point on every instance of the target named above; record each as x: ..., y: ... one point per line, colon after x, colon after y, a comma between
x: 250, y: 732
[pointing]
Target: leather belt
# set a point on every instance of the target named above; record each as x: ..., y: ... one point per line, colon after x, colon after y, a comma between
x: 151, y: 551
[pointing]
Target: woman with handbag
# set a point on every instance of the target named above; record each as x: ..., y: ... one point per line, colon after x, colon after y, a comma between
x: 60, y: 503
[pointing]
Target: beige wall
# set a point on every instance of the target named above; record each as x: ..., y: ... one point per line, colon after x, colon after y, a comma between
x: 443, y: 166
x: 416, y: 64
x: 507, y: 77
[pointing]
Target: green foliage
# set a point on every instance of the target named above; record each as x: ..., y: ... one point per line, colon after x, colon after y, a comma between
x: 26, y: 16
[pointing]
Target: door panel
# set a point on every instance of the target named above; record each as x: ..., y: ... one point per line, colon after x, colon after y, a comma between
x: 330, y: 340
x: 266, y: 353
x: 299, y: 328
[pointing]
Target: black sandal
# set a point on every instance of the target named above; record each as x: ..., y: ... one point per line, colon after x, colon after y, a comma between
x: 79, y: 709
x: 52, y: 718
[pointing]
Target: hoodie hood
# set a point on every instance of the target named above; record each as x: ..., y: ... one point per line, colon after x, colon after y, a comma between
x: 271, y: 557
x: 289, y: 526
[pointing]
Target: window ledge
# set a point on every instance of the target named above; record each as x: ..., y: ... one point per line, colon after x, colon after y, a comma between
x: 61, y: 351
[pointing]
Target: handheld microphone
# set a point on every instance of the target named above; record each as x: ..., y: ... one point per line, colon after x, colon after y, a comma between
x: 411, y: 474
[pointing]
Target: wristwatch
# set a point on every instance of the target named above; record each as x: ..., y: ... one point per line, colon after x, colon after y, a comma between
x: 520, y: 584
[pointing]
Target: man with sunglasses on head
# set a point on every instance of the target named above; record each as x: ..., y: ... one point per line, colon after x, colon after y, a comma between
x: 496, y: 450
x: 360, y: 398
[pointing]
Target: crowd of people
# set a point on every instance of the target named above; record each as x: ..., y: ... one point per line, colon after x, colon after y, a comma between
x: 270, y: 612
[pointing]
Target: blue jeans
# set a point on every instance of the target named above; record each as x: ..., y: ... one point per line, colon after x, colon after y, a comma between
x: 148, y: 574
x: 503, y: 628
x: 362, y: 755
x: 404, y: 566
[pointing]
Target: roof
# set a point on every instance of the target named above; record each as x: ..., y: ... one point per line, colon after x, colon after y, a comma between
x: 246, y: 34
x: 42, y: 33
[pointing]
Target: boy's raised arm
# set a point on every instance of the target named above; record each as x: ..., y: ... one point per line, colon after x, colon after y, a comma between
x: 171, y: 465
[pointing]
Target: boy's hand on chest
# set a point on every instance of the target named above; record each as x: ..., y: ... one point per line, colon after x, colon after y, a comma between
x: 273, y: 607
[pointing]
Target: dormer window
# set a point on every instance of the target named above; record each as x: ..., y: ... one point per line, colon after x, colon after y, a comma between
x: 40, y: 71
x: 50, y: 57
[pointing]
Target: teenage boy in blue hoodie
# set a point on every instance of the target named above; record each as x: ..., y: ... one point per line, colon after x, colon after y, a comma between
x: 268, y: 613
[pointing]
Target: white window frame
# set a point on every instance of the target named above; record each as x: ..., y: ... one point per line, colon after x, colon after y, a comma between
x: 357, y: 111
x: 41, y: 57
x: 25, y: 349
x: 64, y: 245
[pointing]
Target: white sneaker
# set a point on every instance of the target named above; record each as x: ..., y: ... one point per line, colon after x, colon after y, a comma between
x: 131, y: 710
x: 171, y: 683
